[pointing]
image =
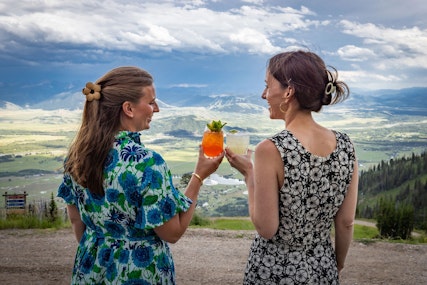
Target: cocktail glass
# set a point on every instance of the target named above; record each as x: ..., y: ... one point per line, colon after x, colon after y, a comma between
x: 238, y: 142
x: 213, y: 143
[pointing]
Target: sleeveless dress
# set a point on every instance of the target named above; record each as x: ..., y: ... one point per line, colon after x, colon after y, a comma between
x: 119, y: 245
x: 314, y: 188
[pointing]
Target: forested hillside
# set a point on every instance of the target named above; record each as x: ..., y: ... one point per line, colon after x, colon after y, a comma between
x: 403, y: 179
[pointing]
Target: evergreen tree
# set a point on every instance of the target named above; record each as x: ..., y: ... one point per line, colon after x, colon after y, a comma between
x: 395, y: 220
x: 405, y: 221
x: 53, y: 209
x: 405, y: 178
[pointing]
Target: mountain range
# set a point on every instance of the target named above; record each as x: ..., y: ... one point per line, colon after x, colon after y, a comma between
x: 409, y: 101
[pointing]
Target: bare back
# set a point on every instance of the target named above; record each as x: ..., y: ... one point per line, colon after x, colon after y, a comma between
x: 317, y: 140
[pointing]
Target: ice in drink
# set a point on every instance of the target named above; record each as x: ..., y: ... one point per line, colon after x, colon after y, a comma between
x: 213, y: 143
x: 238, y: 142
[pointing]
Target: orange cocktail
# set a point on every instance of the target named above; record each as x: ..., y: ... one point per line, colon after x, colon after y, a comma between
x: 213, y: 143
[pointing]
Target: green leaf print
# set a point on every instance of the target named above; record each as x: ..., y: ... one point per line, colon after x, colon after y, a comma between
x: 150, y: 200
x: 150, y: 162
x: 97, y: 208
x: 141, y: 166
x: 134, y: 274
x: 144, y: 164
x: 121, y: 200
x: 117, y: 253
x: 96, y: 268
x: 152, y: 268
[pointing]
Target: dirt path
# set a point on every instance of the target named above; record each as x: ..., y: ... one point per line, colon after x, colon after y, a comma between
x: 202, y: 256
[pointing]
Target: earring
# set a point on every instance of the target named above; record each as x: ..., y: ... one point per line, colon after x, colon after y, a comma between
x: 280, y: 108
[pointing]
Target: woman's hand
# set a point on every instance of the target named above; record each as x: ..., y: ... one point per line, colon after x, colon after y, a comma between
x: 242, y: 162
x: 207, y: 165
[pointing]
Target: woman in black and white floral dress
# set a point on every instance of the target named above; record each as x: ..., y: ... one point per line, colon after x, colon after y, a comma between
x: 302, y: 180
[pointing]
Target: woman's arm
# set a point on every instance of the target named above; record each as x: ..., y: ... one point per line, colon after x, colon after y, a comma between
x: 263, y: 181
x: 172, y: 230
x: 344, y: 220
x: 268, y: 178
x: 76, y: 222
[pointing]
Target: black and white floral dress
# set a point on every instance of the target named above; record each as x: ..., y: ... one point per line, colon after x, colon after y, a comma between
x: 314, y: 188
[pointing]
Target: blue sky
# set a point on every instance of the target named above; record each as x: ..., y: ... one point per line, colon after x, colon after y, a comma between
x: 214, y: 47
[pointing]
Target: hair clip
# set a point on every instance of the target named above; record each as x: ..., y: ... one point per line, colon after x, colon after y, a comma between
x: 330, y: 88
x: 92, y: 91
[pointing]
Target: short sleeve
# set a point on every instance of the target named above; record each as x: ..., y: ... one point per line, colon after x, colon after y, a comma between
x: 160, y: 199
x: 65, y: 190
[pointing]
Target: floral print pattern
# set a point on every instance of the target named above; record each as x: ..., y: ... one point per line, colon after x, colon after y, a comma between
x: 119, y: 245
x: 314, y: 188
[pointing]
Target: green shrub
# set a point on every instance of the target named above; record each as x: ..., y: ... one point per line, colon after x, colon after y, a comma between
x: 199, y: 220
x: 395, y: 220
x: 30, y: 222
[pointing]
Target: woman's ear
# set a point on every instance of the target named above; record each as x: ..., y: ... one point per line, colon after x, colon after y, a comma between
x: 127, y: 109
x: 289, y: 93
x: 291, y: 90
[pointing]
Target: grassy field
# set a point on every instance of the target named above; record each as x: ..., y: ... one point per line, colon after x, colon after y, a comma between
x: 36, y: 141
x: 362, y: 233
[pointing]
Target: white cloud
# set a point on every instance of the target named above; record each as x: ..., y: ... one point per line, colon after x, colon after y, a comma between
x: 257, y: 2
x: 155, y: 36
x: 189, y: 85
x: 386, y: 57
x: 254, y: 40
x: 371, y: 80
x: 395, y: 47
x: 354, y: 53
x: 224, y: 42
x: 131, y: 25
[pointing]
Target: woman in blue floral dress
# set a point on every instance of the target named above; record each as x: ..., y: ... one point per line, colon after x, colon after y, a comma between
x: 303, y: 179
x: 120, y: 198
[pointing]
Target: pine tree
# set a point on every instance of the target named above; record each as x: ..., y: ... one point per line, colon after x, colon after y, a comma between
x: 395, y: 220
x: 53, y: 209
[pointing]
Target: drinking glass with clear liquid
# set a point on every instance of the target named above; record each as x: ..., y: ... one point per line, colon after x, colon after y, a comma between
x: 238, y: 142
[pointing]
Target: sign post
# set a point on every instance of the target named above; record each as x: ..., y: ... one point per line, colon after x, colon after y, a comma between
x: 15, y: 203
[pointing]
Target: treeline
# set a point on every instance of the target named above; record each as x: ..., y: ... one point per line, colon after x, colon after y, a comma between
x: 392, y: 174
x: 27, y: 172
x: 403, y: 182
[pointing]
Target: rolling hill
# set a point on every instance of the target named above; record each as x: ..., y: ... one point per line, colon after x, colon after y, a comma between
x: 383, y: 124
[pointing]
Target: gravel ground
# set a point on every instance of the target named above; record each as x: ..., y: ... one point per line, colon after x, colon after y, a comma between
x: 202, y: 256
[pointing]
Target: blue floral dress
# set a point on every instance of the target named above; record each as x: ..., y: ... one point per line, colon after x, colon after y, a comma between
x: 119, y: 245
x: 314, y: 188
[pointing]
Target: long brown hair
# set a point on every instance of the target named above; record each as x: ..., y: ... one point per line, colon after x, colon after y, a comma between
x: 307, y: 74
x: 100, y: 123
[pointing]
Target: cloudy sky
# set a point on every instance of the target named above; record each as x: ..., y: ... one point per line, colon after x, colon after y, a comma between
x: 212, y: 46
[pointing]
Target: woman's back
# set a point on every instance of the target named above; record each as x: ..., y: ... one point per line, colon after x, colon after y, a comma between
x: 314, y: 186
x: 119, y: 244
x: 313, y: 137
x: 313, y: 190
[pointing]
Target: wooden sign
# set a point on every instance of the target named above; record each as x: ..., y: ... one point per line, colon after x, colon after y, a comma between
x: 15, y: 203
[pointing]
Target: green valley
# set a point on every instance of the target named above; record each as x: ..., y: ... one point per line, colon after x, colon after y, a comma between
x: 33, y: 144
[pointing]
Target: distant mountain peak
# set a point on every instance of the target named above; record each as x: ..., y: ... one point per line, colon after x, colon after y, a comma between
x: 9, y: 106
x: 236, y: 104
x: 409, y: 101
